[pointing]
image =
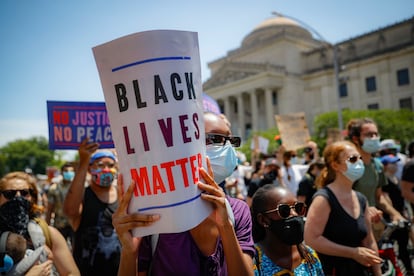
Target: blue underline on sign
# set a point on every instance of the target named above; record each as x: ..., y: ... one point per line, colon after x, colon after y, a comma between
x: 139, y: 62
x: 169, y: 205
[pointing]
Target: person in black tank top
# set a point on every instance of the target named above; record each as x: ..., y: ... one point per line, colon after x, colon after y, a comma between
x: 338, y: 226
x: 96, y: 247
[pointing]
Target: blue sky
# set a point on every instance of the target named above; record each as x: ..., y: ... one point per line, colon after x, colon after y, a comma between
x: 46, y: 46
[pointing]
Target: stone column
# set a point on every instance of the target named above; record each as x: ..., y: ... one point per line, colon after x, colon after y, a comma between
x: 227, y: 107
x: 253, y: 102
x: 240, y: 115
x: 270, y: 121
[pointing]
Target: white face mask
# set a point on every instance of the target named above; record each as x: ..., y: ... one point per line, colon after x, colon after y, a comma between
x: 354, y: 170
x: 223, y: 160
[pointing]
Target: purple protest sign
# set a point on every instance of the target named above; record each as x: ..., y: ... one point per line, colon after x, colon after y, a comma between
x: 210, y: 104
x: 72, y: 122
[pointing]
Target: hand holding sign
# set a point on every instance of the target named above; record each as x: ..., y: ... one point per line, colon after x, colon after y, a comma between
x: 124, y: 222
x: 153, y: 94
x: 214, y: 194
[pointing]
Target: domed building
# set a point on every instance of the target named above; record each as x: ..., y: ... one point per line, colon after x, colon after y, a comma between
x: 281, y: 68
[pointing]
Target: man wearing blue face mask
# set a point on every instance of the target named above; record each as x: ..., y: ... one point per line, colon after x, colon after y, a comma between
x: 56, y: 196
x: 364, y: 134
x: 96, y: 248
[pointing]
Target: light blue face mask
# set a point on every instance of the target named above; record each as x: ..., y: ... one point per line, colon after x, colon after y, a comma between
x: 223, y: 160
x: 354, y: 170
x: 371, y: 145
x: 68, y: 176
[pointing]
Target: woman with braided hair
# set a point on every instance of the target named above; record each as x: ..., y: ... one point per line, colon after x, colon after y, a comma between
x: 278, y: 234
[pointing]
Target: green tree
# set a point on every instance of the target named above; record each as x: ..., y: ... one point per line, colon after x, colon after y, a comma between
x: 268, y: 134
x: 392, y: 124
x: 27, y: 153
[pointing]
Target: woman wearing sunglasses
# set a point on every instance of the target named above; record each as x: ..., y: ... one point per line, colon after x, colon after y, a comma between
x: 278, y: 234
x: 18, y: 208
x: 338, y: 225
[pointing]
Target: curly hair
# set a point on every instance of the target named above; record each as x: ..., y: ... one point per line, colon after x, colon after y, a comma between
x: 35, y: 208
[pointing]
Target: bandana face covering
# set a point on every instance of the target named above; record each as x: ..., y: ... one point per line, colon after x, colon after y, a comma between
x: 14, y: 216
x: 103, y: 177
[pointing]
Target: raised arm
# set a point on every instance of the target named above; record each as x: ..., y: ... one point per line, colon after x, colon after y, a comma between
x: 123, y: 224
x: 72, y: 206
x: 238, y: 262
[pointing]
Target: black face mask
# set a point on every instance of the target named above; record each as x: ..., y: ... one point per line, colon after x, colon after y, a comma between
x: 270, y: 176
x: 14, y: 216
x: 289, y: 230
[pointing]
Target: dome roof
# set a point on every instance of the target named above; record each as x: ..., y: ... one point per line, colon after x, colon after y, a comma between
x: 274, y: 26
x: 276, y: 21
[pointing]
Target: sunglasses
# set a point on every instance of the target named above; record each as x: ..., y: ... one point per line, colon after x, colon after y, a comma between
x: 354, y: 158
x: 220, y: 140
x: 283, y: 210
x: 10, y: 194
x: 103, y: 165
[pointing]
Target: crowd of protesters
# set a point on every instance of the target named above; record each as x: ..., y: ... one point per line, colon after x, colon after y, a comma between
x: 326, y: 186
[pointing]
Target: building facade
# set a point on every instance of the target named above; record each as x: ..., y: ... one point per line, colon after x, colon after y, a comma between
x: 281, y: 68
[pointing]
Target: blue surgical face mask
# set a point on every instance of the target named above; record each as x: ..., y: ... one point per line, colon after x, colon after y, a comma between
x: 354, y: 170
x: 371, y: 145
x: 103, y: 177
x: 68, y: 176
x: 223, y: 160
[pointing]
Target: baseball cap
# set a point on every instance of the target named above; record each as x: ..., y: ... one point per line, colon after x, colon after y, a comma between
x: 387, y: 159
x: 388, y: 144
x: 101, y: 154
x: 271, y: 161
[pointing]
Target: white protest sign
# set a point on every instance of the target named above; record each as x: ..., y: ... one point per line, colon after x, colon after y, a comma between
x: 153, y: 93
x: 262, y: 144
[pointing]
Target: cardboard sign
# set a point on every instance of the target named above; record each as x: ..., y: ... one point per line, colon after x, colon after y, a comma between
x: 333, y: 135
x: 293, y: 130
x: 72, y: 122
x: 153, y: 94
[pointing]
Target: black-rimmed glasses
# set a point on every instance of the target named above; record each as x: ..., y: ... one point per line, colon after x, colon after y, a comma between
x: 10, y: 194
x: 353, y: 158
x: 220, y: 140
x: 284, y: 209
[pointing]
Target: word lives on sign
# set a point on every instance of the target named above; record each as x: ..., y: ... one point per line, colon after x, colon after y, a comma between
x: 152, y: 87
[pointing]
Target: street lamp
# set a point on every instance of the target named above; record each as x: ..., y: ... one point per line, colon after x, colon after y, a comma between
x: 335, y: 62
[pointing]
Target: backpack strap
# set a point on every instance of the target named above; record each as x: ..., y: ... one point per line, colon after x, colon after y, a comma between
x: 46, y: 232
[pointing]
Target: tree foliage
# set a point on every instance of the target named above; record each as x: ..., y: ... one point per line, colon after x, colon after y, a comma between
x: 268, y: 134
x: 30, y: 153
x: 392, y: 124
